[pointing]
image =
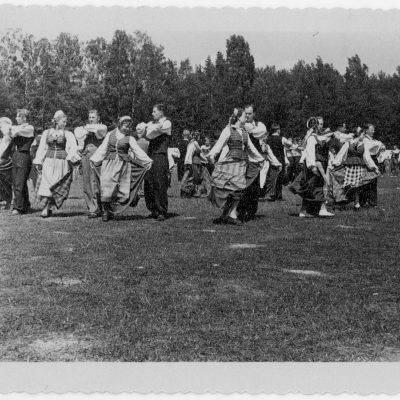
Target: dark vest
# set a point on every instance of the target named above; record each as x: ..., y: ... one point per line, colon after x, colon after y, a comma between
x: 322, y: 153
x: 159, y: 145
x: 238, y: 145
x: 117, y: 147
x: 56, y: 147
x: 22, y: 144
x: 275, y: 143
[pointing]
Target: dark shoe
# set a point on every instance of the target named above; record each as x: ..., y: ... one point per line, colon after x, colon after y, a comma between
x: 152, y: 216
x: 219, y: 220
x: 233, y: 221
x: 161, y: 218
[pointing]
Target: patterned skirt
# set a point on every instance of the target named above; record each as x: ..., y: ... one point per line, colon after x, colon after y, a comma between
x: 353, y: 176
x: 336, y: 192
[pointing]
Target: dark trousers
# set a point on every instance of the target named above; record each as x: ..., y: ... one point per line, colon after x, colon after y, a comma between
x: 277, y: 191
x: 156, y: 185
x: 181, y: 170
x: 21, y: 167
x: 249, y: 202
x: 369, y: 194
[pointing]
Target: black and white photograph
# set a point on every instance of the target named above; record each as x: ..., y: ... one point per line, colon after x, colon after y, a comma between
x: 199, y: 184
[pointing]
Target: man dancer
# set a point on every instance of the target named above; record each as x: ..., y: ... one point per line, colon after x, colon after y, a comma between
x: 158, y: 132
x: 22, y: 137
x: 89, y: 138
x: 277, y: 144
x: 257, y: 131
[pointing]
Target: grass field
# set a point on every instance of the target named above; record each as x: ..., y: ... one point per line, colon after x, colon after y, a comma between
x: 277, y: 289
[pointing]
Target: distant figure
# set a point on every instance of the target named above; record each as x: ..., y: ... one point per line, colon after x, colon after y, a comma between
x: 394, y: 165
x: 182, y: 146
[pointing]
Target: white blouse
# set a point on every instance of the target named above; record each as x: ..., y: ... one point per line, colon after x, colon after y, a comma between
x: 71, y: 146
x: 138, y: 154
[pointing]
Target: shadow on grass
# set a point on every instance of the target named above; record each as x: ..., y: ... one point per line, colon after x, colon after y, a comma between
x: 68, y: 214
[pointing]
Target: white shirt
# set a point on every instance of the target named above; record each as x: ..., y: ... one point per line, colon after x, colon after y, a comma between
x: 155, y: 129
x: 24, y: 130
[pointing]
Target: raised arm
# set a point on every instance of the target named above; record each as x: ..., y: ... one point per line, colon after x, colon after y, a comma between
x: 223, y: 138
x: 24, y: 130
x: 140, y: 156
x: 101, y: 151
x: 254, y: 154
x: 71, y: 147
x: 155, y: 129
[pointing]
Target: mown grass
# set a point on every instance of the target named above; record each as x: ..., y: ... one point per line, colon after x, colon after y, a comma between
x: 138, y: 290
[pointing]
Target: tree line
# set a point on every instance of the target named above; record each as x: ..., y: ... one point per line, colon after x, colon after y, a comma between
x: 130, y: 73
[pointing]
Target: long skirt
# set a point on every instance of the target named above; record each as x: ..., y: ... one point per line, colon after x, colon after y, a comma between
x: 336, y: 191
x: 120, y: 182
x: 357, y: 176
x: 6, y: 181
x: 309, y: 186
x: 55, y: 180
x: 229, y: 180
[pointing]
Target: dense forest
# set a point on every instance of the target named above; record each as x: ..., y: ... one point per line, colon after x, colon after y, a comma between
x: 127, y: 75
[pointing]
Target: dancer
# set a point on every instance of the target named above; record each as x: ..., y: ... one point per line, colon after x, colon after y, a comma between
x: 256, y: 131
x: 182, y: 146
x: 278, y: 144
x: 369, y: 191
x: 230, y: 177
x: 57, y: 153
x: 22, y: 137
x: 120, y: 175
x: 89, y: 138
x: 5, y: 163
x: 310, y: 183
x: 158, y: 132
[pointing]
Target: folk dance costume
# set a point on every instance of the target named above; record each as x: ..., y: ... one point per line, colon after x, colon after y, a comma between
x: 248, y: 205
x: 232, y: 173
x: 5, y: 162
x: 22, y: 137
x: 89, y: 138
x: 121, y: 175
x: 311, y: 181
x: 192, y: 177
x: 156, y: 181
x: 56, y: 153
x: 358, y: 168
x: 277, y: 144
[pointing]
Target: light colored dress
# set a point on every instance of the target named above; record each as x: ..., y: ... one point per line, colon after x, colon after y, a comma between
x: 57, y: 149
x: 118, y: 154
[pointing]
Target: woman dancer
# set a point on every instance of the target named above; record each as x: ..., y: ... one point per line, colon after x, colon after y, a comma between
x: 121, y: 175
x: 312, y: 180
x: 56, y: 154
x: 230, y: 178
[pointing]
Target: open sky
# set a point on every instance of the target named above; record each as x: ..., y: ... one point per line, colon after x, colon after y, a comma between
x: 277, y: 37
